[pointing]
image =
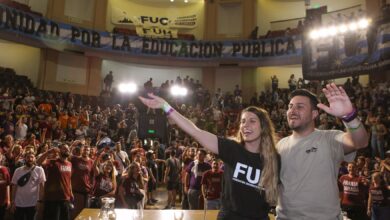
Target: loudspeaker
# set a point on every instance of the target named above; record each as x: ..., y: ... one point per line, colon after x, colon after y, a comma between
x: 152, y: 126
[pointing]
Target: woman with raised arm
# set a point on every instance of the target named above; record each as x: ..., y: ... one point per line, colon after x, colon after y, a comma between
x: 251, y: 163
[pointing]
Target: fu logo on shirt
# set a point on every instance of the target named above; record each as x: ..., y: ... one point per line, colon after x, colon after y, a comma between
x: 313, y: 149
x: 247, y: 175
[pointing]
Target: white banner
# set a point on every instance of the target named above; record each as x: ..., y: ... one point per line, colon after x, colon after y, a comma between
x: 156, y: 32
x: 119, y: 16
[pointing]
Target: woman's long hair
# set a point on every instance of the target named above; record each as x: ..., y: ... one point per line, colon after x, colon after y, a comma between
x: 139, y: 178
x: 269, y: 179
x: 112, y: 172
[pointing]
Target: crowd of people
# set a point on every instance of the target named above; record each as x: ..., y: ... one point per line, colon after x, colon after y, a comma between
x: 62, y: 152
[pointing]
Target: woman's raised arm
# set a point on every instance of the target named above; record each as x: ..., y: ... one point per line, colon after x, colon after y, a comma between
x: 205, y: 138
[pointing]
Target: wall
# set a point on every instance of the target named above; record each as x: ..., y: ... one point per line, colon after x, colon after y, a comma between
x: 87, y: 13
x: 229, y: 19
x: 23, y: 59
x: 36, y: 5
x: 264, y: 74
x: 139, y: 74
x: 70, y: 72
x: 159, y: 10
x: 274, y: 10
x: 227, y: 78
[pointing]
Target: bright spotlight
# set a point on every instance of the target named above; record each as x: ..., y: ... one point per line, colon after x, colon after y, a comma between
x: 343, y: 28
x: 332, y: 31
x: 183, y: 91
x: 313, y: 34
x: 353, y: 26
x: 323, y: 32
x: 363, y: 23
x: 178, y: 91
x: 175, y: 90
x: 127, y: 87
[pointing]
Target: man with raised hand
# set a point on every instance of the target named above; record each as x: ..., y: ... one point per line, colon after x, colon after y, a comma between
x: 310, y: 158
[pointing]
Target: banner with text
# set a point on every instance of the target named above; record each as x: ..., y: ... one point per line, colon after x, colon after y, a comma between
x: 119, y: 16
x: 62, y: 36
x: 156, y: 32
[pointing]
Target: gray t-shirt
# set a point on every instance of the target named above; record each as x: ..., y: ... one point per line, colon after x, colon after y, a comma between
x: 309, y: 170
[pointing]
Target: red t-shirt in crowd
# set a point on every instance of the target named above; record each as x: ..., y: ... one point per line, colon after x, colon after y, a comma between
x: 5, y: 180
x: 212, y: 181
x: 82, y: 175
x: 58, y: 184
x: 48, y: 126
x: 379, y: 195
x: 103, y: 185
x: 353, y: 190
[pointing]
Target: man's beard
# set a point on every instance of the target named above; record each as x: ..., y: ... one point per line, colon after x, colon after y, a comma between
x: 29, y: 164
x: 297, y: 128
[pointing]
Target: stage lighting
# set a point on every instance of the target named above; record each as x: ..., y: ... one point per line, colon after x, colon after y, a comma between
x: 363, y: 23
x: 183, y: 91
x: 127, y: 87
x: 332, y: 31
x: 352, y: 26
x: 175, y: 90
x: 323, y: 32
x: 179, y: 91
x: 313, y: 34
x: 343, y: 28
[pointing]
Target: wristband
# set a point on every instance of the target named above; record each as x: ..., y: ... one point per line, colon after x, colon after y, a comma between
x: 167, y: 108
x: 350, y: 116
x: 170, y: 111
x: 352, y: 129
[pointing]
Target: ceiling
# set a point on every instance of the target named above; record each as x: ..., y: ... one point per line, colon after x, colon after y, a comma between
x: 168, y: 2
x: 180, y: 2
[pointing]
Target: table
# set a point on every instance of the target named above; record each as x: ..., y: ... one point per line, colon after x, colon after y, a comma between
x: 129, y: 214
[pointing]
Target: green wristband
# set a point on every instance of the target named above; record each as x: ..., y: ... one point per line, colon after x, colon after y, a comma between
x: 166, y: 107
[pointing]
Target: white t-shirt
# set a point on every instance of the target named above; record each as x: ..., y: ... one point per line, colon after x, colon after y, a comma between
x: 27, y: 195
x: 309, y: 169
x: 217, y: 114
x: 21, y: 131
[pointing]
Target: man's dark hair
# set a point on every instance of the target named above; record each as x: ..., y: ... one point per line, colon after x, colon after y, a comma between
x: 304, y: 92
x: 203, y: 151
x: 172, y: 153
x: 106, y: 156
x: 149, y: 155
